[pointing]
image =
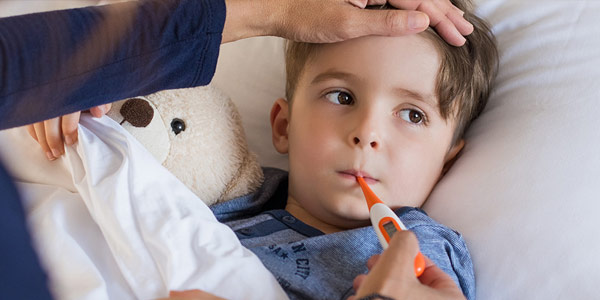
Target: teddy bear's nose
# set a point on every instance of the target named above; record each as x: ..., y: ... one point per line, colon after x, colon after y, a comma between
x: 137, y: 112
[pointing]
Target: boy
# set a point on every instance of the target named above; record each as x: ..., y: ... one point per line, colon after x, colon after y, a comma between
x: 390, y: 109
x: 396, y: 117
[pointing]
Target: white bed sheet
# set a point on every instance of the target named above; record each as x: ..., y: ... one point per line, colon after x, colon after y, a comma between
x: 111, y: 223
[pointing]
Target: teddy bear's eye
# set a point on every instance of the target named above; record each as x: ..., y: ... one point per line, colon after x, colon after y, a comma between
x: 177, y: 125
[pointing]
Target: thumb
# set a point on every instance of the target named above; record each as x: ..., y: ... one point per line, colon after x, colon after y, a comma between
x: 393, y: 22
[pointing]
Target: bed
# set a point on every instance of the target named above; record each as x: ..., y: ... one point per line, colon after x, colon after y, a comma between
x: 525, y: 191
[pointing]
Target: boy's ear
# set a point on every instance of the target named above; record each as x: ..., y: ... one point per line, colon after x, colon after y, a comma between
x: 279, y: 125
x: 452, y: 155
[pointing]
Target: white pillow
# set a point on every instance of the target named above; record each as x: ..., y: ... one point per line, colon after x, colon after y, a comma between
x: 252, y: 73
x: 525, y: 191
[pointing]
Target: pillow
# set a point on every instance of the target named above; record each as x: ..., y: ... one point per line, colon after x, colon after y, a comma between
x: 253, y: 85
x: 524, y: 192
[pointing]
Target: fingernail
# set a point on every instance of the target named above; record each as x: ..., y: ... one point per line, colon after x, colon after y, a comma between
x: 417, y: 20
x: 56, y: 152
x: 50, y: 156
x: 69, y: 140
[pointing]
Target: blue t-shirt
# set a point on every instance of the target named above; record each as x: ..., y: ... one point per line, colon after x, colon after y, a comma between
x: 312, y: 265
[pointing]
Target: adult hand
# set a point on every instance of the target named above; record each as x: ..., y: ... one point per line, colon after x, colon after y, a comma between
x: 327, y: 21
x: 191, y: 295
x: 446, y: 18
x: 392, y: 274
x: 52, y: 134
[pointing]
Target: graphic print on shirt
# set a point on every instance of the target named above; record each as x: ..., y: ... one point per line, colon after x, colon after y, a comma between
x: 296, y: 261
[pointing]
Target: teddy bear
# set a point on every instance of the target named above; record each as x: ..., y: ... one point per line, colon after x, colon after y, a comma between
x: 197, y: 134
x: 149, y: 233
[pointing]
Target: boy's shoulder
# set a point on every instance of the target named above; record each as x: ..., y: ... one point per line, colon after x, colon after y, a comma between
x: 272, y: 194
x: 443, y: 245
x: 416, y: 219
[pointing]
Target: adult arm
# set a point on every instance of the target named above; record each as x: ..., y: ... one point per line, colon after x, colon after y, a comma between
x: 59, y: 62
x: 21, y: 276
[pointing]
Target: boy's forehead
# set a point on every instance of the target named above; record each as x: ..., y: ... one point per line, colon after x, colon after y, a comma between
x: 407, y: 65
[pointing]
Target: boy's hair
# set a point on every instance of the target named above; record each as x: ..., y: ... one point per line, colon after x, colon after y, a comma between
x: 465, y: 73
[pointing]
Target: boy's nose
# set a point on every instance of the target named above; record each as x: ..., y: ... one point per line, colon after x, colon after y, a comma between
x: 366, y: 130
x: 365, y: 135
x: 373, y: 143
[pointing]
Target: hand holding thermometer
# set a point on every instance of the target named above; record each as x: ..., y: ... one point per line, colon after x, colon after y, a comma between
x: 386, y: 223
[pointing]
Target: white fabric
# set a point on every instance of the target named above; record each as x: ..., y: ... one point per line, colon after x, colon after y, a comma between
x: 525, y: 192
x: 111, y: 223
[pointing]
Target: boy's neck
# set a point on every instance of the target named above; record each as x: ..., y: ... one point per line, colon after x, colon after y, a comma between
x: 294, y: 208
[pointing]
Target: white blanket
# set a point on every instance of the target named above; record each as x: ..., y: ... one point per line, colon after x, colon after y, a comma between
x: 109, y: 222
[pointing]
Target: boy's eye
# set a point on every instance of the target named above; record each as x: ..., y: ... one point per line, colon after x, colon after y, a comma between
x: 339, y: 97
x: 412, y: 116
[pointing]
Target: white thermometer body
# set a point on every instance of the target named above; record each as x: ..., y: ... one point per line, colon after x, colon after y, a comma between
x: 385, y: 223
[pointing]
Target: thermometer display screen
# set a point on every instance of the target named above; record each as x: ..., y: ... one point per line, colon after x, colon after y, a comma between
x: 390, y: 228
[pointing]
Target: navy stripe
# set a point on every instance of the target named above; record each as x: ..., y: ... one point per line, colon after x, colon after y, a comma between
x: 261, y: 229
x: 284, y: 220
x: 290, y: 221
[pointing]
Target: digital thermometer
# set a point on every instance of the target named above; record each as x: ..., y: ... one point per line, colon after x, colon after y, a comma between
x: 385, y: 222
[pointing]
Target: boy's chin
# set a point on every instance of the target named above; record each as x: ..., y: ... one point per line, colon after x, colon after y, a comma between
x: 357, y: 223
x: 354, y: 221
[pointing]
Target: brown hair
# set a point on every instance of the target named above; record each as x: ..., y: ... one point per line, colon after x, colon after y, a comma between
x: 465, y: 74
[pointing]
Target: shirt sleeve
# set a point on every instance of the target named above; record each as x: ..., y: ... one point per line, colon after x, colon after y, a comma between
x: 445, y: 247
x: 58, y: 62
x: 21, y: 275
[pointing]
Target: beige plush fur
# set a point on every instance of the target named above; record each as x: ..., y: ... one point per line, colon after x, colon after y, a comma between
x: 210, y: 156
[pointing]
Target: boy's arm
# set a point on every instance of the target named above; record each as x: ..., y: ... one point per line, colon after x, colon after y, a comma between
x: 392, y: 275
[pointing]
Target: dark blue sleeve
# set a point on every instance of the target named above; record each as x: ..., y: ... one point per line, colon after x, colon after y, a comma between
x: 59, y: 62
x: 21, y: 276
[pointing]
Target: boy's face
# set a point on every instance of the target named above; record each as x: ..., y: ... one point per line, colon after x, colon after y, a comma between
x: 364, y: 107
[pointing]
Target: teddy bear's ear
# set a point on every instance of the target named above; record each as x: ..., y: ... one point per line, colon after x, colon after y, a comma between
x: 137, y: 112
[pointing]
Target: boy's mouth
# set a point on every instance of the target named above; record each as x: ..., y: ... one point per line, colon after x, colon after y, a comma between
x: 352, y: 174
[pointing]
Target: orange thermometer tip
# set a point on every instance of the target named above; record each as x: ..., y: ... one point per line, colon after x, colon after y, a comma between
x: 369, y: 195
